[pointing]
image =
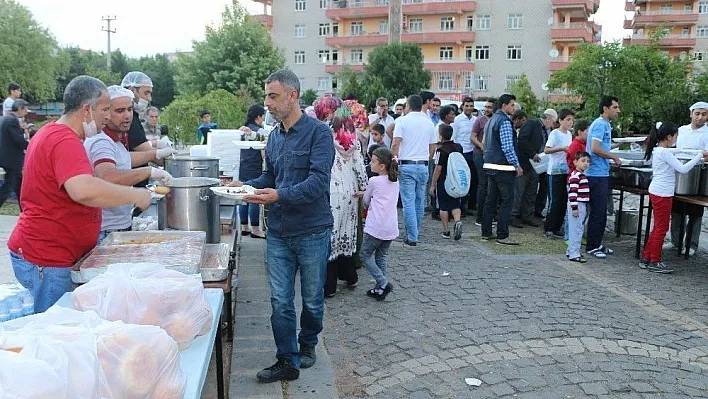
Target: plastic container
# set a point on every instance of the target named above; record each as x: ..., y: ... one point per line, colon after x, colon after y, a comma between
x: 15, y: 301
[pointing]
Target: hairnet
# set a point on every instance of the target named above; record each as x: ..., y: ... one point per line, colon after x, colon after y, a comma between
x: 116, y: 91
x: 136, y: 79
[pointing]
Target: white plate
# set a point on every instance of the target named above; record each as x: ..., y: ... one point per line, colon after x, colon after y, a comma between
x: 255, y: 145
x: 237, y: 193
x: 629, y: 139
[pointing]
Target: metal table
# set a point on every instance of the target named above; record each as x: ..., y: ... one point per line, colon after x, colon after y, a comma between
x: 641, y: 193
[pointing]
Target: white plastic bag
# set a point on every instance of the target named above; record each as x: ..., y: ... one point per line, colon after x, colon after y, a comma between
x: 149, y: 294
x: 19, y: 376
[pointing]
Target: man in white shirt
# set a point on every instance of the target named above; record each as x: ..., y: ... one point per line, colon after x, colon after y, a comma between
x: 14, y: 91
x: 381, y: 117
x: 693, y: 136
x: 461, y: 134
x: 414, y: 140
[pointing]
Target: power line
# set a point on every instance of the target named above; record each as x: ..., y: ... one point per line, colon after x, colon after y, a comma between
x: 108, y: 31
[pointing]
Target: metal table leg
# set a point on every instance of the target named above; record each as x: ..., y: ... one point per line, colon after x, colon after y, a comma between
x: 682, y: 225
x: 689, y: 235
x: 646, y: 232
x: 618, y: 220
x: 219, y: 361
x: 639, y: 226
x: 228, y: 307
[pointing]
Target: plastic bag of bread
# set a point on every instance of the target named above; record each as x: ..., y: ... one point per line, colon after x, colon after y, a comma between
x: 19, y: 375
x: 118, y: 360
x: 149, y: 294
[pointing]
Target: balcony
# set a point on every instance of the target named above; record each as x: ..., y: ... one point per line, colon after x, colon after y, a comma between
x: 362, y: 40
x: 629, y: 5
x: 457, y: 36
x: 348, y: 9
x: 336, y: 67
x: 265, y: 20
x: 587, y: 5
x: 671, y: 41
x: 672, y: 17
x: 559, y: 63
x: 266, y: 2
x: 454, y: 64
x: 628, y: 24
x: 579, y: 31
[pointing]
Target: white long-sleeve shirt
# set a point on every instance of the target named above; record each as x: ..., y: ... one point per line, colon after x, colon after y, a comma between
x: 664, y: 165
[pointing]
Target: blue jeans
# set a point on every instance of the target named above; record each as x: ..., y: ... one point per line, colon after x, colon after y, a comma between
x: 597, y: 216
x: 46, y: 284
x: 481, y: 185
x: 374, y: 256
x: 500, y: 184
x: 413, y: 183
x: 285, y: 255
x: 249, y: 211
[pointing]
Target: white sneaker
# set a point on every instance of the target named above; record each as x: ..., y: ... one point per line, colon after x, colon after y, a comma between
x: 668, y: 246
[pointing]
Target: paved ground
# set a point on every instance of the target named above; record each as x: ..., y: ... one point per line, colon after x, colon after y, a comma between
x: 7, y: 223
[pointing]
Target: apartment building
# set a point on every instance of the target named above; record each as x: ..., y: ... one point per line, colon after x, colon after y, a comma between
x: 471, y: 47
x: 685, y: 24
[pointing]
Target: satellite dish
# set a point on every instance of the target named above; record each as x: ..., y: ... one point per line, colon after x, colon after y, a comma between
x: 544, y: 86
x: 554, y: 53
x: 550, y: 21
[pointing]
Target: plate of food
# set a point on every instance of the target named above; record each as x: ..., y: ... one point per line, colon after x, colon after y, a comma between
x: 254, y: 145
x: 237, y: 193
x: 629, y: 139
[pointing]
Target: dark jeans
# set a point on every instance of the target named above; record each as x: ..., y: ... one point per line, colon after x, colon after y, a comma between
x: 343, y: 268
x: 525, y: 195
x: 500, y: 185
x: 559, y: 201
x: 542, y: 195
x: 307, y: 253
x: 481, y: 184
x: 597, y: 217
x: 249, y: 211
x: 469, y: 201
x: 13, y: 182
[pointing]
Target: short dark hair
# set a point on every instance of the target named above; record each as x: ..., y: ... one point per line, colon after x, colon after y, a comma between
x: 505, y: 99
x: 83, y: 90
x: 564, y: 113
x: 204, y: 112
x: 350, y: 96
x: 18, y: 105
x: 415, y: 102
x: 373, y: 148
x: 520, y: 114
x: 581, y: 154
x: 606, y: 101
x: 379, y: 128
x: 468, y: 100
x: 427, y: 95
x: 13, y: 86
x: 446, y: 109
x: 435, y: 99
x: 582, y: 124
x: 445, y: 131
x: 287, y: 78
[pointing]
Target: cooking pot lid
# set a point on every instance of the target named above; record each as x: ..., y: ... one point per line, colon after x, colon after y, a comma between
x: 191, y: 158
x: 188, y: 182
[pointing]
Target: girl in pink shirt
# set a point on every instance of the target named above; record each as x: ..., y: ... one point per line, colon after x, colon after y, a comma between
x: 381, y: 226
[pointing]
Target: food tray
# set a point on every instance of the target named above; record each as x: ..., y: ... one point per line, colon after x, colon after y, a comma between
x: 215, y: 264
x: 176, y: 250
x: 236, y: 193
x: 253, y: 145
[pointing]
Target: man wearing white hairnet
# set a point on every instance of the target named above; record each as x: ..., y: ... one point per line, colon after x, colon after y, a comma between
x: 112, y: 162
x: 692, y: 136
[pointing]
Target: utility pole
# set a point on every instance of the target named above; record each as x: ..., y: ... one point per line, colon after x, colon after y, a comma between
x: 108, y: 30
x: 395, y: 17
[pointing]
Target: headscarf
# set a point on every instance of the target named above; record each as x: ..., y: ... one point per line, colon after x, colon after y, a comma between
x: 310, y: 111
x: 344, y: 131
x: 326, y: 106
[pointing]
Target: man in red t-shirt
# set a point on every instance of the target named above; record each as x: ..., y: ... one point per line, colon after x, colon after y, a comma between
x: 61, y: 199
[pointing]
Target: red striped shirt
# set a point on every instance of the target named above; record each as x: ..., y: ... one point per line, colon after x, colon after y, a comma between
x: 578, y: 189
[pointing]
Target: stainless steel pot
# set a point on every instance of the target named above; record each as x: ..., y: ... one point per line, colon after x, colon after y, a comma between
x: 630, y: 220
x: 187, y: 166
x: 689, y: 183
x: 189, y: 203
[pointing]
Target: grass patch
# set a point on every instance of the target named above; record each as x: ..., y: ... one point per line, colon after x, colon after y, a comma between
x: 10, y: 208
x: 531, y: 242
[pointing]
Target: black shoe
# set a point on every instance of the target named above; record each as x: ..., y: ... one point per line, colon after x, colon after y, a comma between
x: 445, y: 235
x: 659, y: 268
x: 379, y: 293
x: 530, y: 222
x: 387, y: 290
x: 410, y: 243
x: 308, y: 357
x: 516, y: 222
x: 282, y: 370
x: 458, y: 230
x: 643, y: 263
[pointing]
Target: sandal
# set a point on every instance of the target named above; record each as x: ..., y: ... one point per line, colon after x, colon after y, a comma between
x: 257, y: 236
x: 607, y: 251
x: 597, y: 252
x: 578, y: 260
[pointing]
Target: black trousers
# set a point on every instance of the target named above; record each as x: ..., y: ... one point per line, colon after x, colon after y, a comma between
x: 559, y: 202
x: 342, y: 268
x: 469, y: 201
x: 542, y: 195
x: 13, y: 182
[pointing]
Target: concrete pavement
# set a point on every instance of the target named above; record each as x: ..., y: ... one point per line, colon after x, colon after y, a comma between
x: 7, y: 223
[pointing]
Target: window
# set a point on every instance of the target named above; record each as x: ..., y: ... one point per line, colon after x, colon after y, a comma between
x: 383, y: 27
x: 703, y: 7
x: 445, y: 53
x: 686, y: 32
x: 335, y: 28
x: 382, y: 2
x: 515, y: 21
x: 357, y: 56
x: 481, y: 83
x: 510, y: 80
x: 484, y: 22
x: 513, y: 52
x: 299, y: 57
x: 468, y: 80
x: 335, y: 57
x: 447, y: 24
x: 481, y: 53
x: 324, y: 83
x: 688, y: 7
x: 469, y: 53
x: 665, y: 8
x: 299, y: 30
x: 324, y: 29
x: 324, y: 4
x: 470, y: 23
x: 357, y: 28
x: 415, y: 25
x: 445, y: 81
x: 699, y: 56
x: 702, y: 31
x: 300, y: 5
x: 323, y: 56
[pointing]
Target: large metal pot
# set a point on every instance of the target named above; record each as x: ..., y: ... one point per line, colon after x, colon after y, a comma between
x: 188, y: 166
x: 189, y: 203
x: 689, y: 183
x: 630, y: 220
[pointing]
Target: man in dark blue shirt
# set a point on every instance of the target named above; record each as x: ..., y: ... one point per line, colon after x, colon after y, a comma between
x: 295, y: 183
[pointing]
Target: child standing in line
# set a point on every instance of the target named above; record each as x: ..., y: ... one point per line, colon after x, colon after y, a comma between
x: 557, y: 148
x: 381, y: 226
x: 664, y: 166
x: 446, y: 203
x: 580, y: 136
x: 578, y: 198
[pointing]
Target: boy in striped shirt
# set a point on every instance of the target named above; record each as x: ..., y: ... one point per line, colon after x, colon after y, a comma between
x: 578, y: 198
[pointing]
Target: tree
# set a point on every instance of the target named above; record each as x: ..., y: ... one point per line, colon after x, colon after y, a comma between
x: 162, y: 72
x: 120, y: 64
x: 525, y: 95
x: 237, y: 54
x: 27, y: 53
x: 348, y: 83
x: 309, y: 96
x: 398, y: 68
